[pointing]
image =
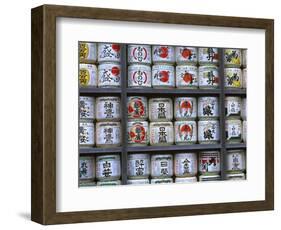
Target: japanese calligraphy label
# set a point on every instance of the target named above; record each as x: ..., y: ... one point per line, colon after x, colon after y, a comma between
x: 185, y: 132
x: 185, y: 164
x: 87, y: 168
x: 137, y: 108
x: 185, y: 108
x: 86, y: 133
x: 109, y: 52
x: 233, y: 131
x: 86, y: 107
x: 109, y: 75
x: 108, y: 134
x: 88, y: 75
x: 139, y: 54
x: 209, y: 162
x: 186, y: 76
x: 108, y: 108
x: 163, y: 76
x: 137, y: 133
x: 138, y: 165
x: 161, y: 165
x: 160, y: 109
x: 208, y: 55
x: 232, y: 57
x: 233, y: 77
x: 163, y: 54
x: 186, y: 55
x: 235, y: 161
x: 208, y: 108
x: 208, y: 131
x: 108, y: 167
x: 232, y: 107
x: 161, y: 133
x: 87, y: 52
x: 208, y: 77
x: 139, y: 76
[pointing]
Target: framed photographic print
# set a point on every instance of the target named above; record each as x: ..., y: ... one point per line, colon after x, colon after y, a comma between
x: 139, y: 114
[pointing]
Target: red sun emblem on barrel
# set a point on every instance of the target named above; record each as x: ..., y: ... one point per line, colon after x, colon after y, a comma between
x: 186, y: 53
x: 116, y: 47
x: 115, y: 71
x: 164, y: 76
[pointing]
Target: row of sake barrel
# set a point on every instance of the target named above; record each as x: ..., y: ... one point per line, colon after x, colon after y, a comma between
x: 162, y: 168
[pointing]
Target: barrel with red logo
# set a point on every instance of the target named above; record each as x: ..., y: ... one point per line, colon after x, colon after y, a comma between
x: 137, y: 108
x: 187, y: 76
x: 185, y: 108
x: 109, y: 75
x: 140, y: 54
x: 137, y: 133
x: 108, y: 52
x: 186, y: 55
x: 185, y: 132
x: 163, y: 53
x: 163, y: 76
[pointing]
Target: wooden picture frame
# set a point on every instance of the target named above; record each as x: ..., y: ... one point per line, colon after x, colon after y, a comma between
x: 43, y: 208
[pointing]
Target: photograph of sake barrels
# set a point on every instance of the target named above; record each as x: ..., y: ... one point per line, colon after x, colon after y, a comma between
x: 156, y: 114
x: 149, y: 126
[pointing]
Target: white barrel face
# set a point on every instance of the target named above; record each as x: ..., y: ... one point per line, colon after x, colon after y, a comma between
x: 109, y: 75
x: 161, y: 165
x: 139, y: 54
x: 233, y: 131
x: 208, y: 55
x: 108, y: 52
x: 208, y: 132
x: 209, y: 162
x: 139, y: 76
x: 235, y: 161
x: 87, y: 168
x: 108, y: 134
x: 186, y: 76
x: 232, y: 107
x: 138, y: 166
x: 86, y: 108
x: 138, y: 133
x: 160, y: 109
x: 208, y: 108
x: 137, y: 108
x: 161, y: 133
x: 185, y: 108
x: 208, y: 77
x: 185, y: 164
x: 163, y: 53
x: 185, y: 132
x: 86, y: 133
x: 163, y: 76
x: 108, y: 109
x: 186, y: 55
x: 108, y: 167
